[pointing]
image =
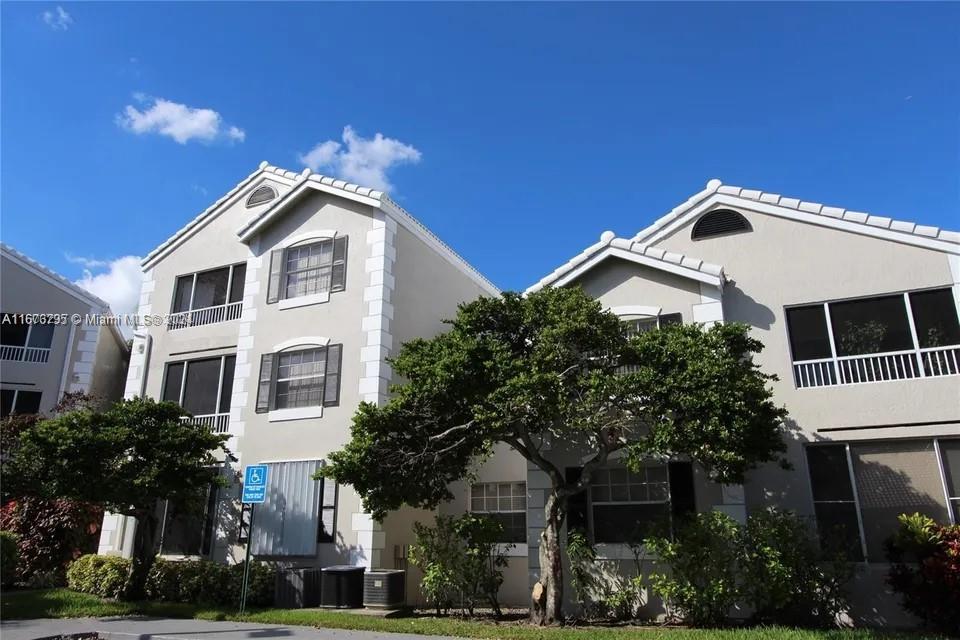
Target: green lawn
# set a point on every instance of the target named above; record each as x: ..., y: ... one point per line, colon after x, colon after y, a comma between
x: 62, y: 603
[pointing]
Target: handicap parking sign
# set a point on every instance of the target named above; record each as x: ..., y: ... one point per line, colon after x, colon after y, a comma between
x: 255, y: 484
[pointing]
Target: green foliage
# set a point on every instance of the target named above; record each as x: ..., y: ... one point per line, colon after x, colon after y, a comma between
x: 103, y: 576
x: 582, y: 557
x: 925, y: 570
x: 784, y: 578
x: 123, y: 460
x: 209, y: 583
x: 460, y: 561
x: 702, y: 583
x: 9, y: 557
x: 50, y: 535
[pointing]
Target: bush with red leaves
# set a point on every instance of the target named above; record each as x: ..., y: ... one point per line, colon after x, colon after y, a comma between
x: 926, y: 570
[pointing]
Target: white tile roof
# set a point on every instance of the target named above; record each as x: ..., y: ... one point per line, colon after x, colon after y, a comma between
x: 828, y: 213
x: 667, y: 260
x: 77, y: 290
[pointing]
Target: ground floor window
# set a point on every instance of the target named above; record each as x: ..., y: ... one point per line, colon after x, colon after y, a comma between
x: 188, y: 529
x: 295, y: 514
x: 860, y: 488
x: 19, y: 401
x: 504, y: 502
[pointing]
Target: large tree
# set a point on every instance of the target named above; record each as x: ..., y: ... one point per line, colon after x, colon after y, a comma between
x: 555, y: 367
x: 124, y: 459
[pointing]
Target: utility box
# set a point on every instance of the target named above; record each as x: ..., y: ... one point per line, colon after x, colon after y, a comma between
x: 341, y: 587
x: 297, y: 588
x: 385, y: 588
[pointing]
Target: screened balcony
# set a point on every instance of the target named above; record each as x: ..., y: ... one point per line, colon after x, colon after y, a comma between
x: 901, y: 336
x: 208, y: 297
x: 23, y: 342
x: 203, y: 387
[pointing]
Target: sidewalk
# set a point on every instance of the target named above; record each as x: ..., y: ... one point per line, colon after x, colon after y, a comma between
x: 134, y: 628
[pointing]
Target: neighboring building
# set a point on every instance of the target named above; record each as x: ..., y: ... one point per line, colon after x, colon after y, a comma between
x: 285, y: 297
x: 39, y: 362
x: 859, y: 317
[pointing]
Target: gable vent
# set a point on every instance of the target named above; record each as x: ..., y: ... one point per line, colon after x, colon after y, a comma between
x: 720, y: 223
x: 261, y: 195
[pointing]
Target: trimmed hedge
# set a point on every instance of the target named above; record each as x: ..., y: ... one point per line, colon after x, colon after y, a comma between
x: 187, y: 581
x: 9, y: 554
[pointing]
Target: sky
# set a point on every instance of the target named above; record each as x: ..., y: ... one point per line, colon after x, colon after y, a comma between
x: 518, y: 133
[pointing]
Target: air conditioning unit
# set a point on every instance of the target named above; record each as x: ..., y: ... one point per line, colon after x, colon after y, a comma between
x: 385, y: 588
x: 341, y: 587
x: 298, y: 588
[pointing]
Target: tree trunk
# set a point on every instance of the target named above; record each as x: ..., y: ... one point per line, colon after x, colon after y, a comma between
x: 144, y: 552
x: 547, y: 605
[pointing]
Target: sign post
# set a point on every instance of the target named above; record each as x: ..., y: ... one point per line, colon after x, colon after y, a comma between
x: 254, y: 493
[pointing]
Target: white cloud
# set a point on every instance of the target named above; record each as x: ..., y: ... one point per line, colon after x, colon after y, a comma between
x: 178, y: 121
x: 115, y: 281
x: 365, y: 161
x: 58, y: 19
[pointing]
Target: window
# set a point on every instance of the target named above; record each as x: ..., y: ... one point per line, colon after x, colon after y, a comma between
x: 188, y: 530
x: 720, y: 223
x: 18, y: 401
x: 287, y: 522
x: 203, y: 387
x: 834, y: 504
x: 636, y: 326
x: 299, y: 378
x: 260, y: 195
x: 873, y: 339
x: 206, y: 293
x: 627, y: 505
x: 950, y: 459
x: 503, y: 502
x: 327, y: 529
x: 308, y: 270
x: 26, y: 342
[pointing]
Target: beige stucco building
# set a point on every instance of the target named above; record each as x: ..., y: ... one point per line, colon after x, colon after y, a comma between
x: 858, y: 316
x: 283, y: 301
x: 54, y: 338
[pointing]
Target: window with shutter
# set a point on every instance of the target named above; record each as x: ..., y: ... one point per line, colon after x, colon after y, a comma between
x: 720, y: 223
x: 299, y: 378
x: 308, y: 270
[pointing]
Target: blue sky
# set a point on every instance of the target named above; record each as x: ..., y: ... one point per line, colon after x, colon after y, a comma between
x: 518, y: 133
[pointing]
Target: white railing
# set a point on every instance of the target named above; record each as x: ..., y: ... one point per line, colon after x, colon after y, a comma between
x: 24, y: 354
x: 878, y: 367
x: 216, y: 422
x: 207, y: 315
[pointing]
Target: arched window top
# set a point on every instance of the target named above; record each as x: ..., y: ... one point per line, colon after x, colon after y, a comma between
x: 720, y: 223
x: 261, y: 194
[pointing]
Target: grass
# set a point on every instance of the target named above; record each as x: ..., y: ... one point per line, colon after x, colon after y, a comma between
x: 63, y: 603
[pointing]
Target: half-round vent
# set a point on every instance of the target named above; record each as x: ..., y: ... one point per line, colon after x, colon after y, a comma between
x: 720, y: 223
x: 261, y: 195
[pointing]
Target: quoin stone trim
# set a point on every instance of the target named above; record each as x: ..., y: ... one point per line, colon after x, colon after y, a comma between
x: 375, y: 373
x: 138, y: 356
x: 244, y: 367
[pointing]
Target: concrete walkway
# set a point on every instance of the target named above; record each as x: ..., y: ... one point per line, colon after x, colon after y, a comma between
x: 135, y: 628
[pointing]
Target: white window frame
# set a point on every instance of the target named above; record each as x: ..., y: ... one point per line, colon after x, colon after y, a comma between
x: 951, y: 500
x: 509, y: 549
x: 16, y: 395
x: 616, y: 549
x: 183, y: 378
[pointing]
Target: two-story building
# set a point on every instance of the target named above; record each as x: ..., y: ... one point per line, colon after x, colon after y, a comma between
x: 284, y: 298
x: 859, y: 317
x: 55, y: 338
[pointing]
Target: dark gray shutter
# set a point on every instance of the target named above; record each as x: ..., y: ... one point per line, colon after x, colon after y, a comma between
x: 331, y: 383
x: 339, y: 278
x: 276, y: 271
x: 265, y: 386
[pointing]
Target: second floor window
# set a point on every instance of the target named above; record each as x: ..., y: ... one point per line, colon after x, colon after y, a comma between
x: 299, y: 378
x: 209, y: 296
x: 203, y: 386
x: 889, y: 337
x: 23, y: 341
x: 311, y: 269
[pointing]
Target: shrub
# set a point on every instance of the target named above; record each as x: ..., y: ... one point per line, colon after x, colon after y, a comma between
x: 103, y: 576
x: 460, y: 561
x: 702, y: 584
x: 783, y: 576
x: 925, y: 570
x: 8, y: 557
x: 209, y: 583
x: 583, y: 581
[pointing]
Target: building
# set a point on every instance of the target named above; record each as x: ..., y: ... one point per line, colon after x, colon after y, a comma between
x: 283, y: 300
x: 858, y: 315
x: 52, y: 340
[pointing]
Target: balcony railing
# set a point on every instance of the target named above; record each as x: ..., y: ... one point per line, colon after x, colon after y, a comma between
x: 207, y: 315
x: 878, y: 367
x: 24, y: 354
x: 216, y: 422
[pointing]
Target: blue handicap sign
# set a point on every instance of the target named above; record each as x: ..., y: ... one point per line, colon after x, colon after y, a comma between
x: 255, y: 484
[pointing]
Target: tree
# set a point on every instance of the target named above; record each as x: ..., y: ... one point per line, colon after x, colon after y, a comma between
x: 124, y: 459
x: 528, y: 370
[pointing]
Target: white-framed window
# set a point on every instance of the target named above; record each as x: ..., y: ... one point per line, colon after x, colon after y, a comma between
x: 19, y: 401
x: 503, y: 502
x: 206, y: 297
x: 626, y: 505
x: 316, y: 268
x: 636, y: 326
x: 202, y: 386
x: 299, y: 377
x: 24, y: 341
x: 950, y: 467
x: 260, y: 195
